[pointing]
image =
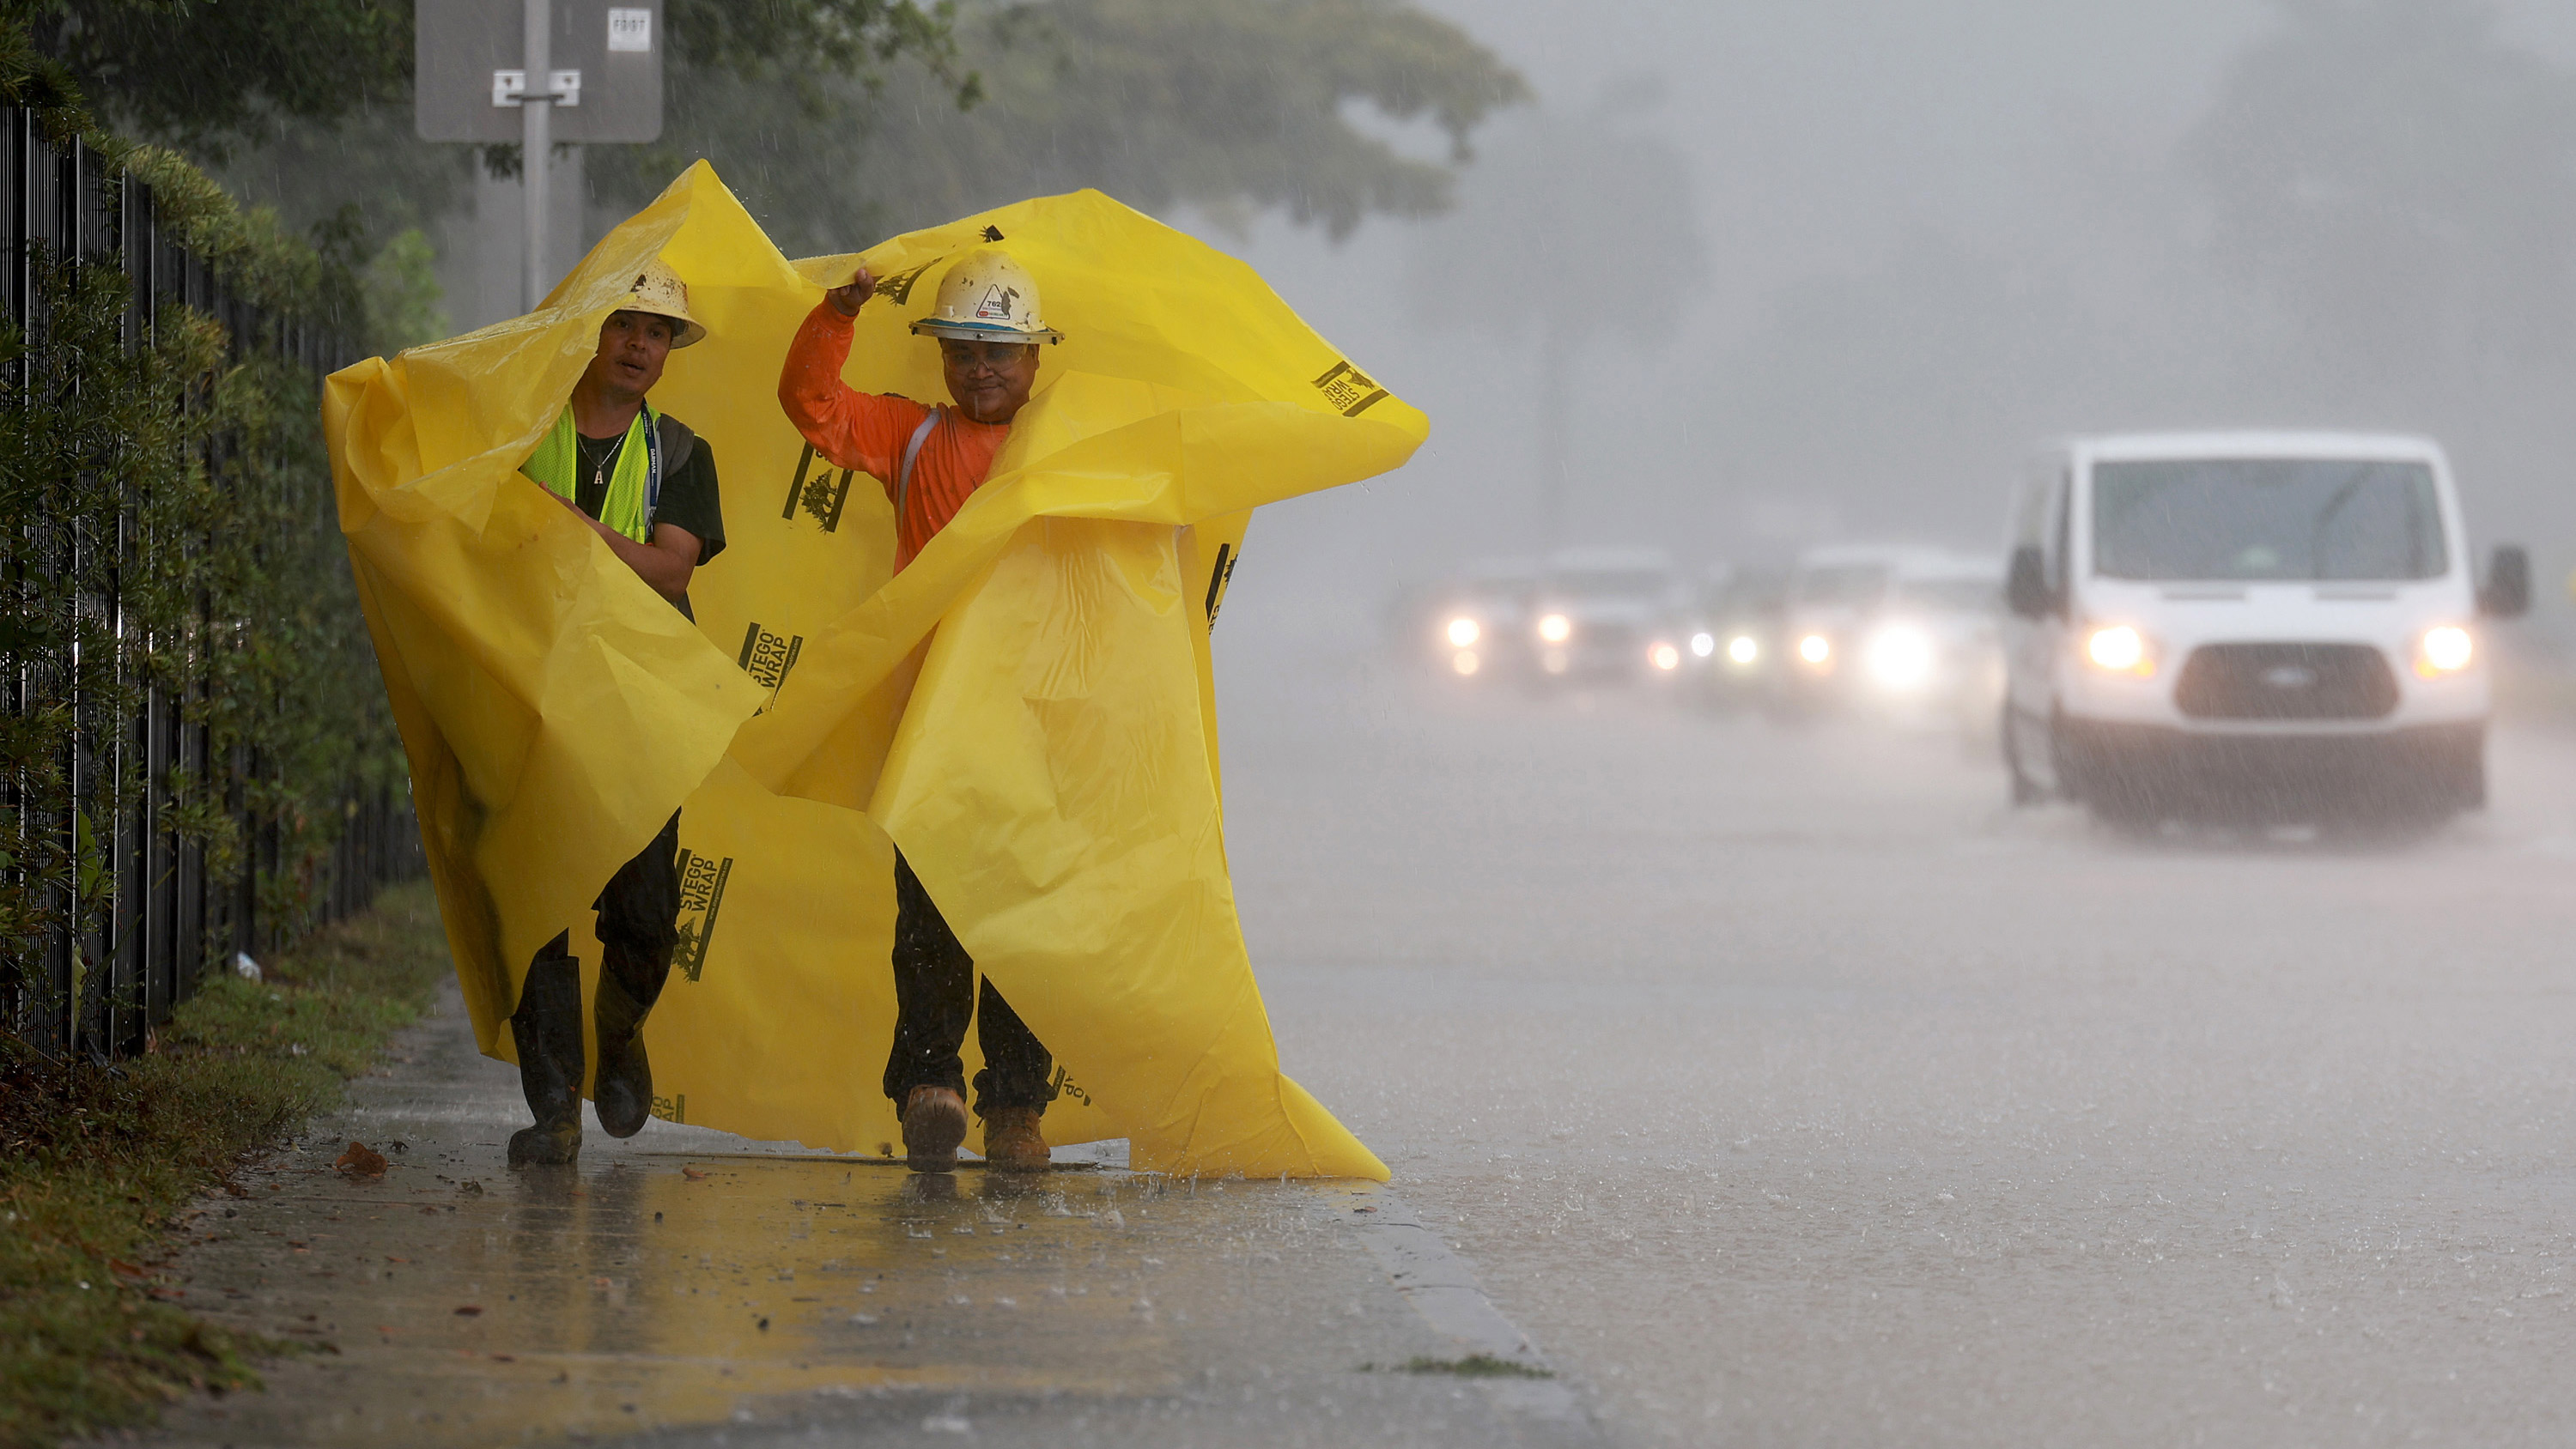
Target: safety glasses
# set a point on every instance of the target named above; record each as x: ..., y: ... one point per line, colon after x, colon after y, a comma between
x: 967, y: 356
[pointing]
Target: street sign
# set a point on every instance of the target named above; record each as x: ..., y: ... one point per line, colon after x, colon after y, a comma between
x: 604, y: 70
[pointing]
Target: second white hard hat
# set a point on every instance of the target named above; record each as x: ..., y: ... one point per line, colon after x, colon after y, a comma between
x: 990, y: 297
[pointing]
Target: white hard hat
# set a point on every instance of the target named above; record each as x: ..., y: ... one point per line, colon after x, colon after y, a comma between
x: 987, y: 296
x: 658, y: 289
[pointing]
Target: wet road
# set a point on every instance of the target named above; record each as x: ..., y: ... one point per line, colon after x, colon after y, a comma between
x: 691, y: 1288
x: 1782, y: 1087
x: 1789, y: 1089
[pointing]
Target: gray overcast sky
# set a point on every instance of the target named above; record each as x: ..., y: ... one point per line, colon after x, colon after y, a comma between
x: 1824, y: 130
x: 1822, y: 138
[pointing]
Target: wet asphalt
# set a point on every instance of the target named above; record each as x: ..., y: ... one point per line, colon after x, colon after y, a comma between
x: 687, y: 1287
x: 1768, y: 1085
x: 1790, y: 1088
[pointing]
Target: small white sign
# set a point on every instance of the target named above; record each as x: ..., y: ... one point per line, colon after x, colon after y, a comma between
x: 630, y: 29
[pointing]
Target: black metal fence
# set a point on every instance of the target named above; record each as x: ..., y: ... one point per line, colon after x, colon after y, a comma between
x: 169, y: 920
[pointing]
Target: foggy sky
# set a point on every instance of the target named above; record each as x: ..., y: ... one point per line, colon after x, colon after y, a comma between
x: 2005, y: 170
x: 1930, y: 237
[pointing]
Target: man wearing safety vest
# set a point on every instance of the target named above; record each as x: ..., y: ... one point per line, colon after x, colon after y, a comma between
x: 931, y: 459
x: 647, y: 486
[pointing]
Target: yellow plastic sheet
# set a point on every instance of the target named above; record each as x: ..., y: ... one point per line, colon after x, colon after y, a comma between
x: 1027, y: 708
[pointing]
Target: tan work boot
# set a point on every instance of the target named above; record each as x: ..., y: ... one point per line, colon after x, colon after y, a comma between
x: 1012, y: 1140
x: 934, y: 1122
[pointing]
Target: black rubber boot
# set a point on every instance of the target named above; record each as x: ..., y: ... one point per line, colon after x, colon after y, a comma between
x: 547, y: 1030
x: 623, y: 1091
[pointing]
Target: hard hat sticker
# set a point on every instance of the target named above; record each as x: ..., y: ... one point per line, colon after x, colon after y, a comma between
x: 997, y: 302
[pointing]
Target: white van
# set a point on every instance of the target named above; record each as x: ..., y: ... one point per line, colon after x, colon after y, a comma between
x: 2264, y: 627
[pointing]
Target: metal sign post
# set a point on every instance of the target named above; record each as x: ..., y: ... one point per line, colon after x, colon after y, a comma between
x: 488, y: 72
x: 536, y: 145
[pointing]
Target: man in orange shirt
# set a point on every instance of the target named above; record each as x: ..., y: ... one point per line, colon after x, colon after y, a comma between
x: 931, y: 459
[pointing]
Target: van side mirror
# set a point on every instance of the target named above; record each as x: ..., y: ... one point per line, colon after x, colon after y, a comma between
x: 2026, y: 590
x: 2507, y: 592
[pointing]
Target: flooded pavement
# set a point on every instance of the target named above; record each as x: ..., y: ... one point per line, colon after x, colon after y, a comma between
x: 688, y: 1287
x: 1785, y: 1085
x: 1790, y: 1088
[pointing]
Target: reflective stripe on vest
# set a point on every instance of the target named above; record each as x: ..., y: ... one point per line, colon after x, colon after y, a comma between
x: 911, y: 455
x: 634, y: 485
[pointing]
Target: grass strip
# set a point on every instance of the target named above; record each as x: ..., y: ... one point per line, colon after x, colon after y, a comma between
x: 96, y: 1167
x: 1473, y: 1366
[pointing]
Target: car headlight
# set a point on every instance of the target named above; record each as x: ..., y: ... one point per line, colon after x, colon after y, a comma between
x: 2444, y: 649
x: 1555, y: 628
x: 1743, y: 648
x: 1815, y: 649
x: 1464, y: 631
x: 1664, y: 656
x: 1703, y: 644
x: 2120, y: 649
x: 1900, y: 657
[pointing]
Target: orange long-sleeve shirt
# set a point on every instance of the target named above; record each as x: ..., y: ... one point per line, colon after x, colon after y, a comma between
x: 867, y: 431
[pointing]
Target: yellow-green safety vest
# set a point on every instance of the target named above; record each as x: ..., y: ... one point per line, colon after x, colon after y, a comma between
x: 634, y: 484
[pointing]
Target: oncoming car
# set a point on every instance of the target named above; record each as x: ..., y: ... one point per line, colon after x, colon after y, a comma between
x: 1475, y: 625
x: 1885, y: 626
x: 1933, y: 653
x: 1732, y: 644
x: 1608, y: 613
x: 1832, y: 591
x: 2275, y: 627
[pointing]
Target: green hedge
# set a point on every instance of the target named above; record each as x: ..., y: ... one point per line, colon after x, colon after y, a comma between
x: 172, y: 531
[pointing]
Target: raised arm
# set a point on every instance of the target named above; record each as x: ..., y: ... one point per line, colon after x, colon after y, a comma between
x: 854, y: 429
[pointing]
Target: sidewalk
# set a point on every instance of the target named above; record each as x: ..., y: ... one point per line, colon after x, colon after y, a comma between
x: 689, y: 1287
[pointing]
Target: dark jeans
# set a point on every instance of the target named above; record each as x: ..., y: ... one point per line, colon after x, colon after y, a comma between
x: 935, y: 997
x: 639, y: 919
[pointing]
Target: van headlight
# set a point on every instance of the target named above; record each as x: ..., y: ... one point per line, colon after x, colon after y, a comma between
x: 1555, y: 628
x: 1744, y: 649
x: 2120, y: 649
x: 1816, y: 649
x: 1900, y: 657
x: 2444, y: 649
x: 1464, y: 632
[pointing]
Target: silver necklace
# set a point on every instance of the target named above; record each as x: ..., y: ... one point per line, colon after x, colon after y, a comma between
x: 608, y: 460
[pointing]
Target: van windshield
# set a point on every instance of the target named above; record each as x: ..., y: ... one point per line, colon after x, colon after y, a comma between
x: 2266, y: 518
